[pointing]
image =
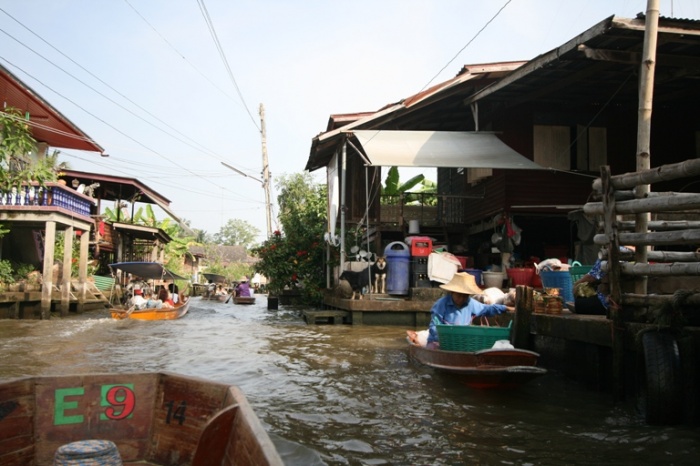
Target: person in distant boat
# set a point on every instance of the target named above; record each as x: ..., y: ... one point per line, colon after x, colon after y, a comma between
x: 457, y: 307
x: 220, y: 290
x: 138, y: 301
x: 174, y: 293
x: 164, y: 296
x: 152, y: 303
x: 243, y: 289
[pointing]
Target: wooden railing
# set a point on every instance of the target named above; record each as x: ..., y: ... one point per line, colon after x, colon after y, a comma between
x: 29, y: 197
x: 428, y: 209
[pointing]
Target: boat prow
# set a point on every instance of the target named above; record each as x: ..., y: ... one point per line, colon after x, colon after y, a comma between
x: 244, y: 299
x: 153, y: 418
x: 490, y: 368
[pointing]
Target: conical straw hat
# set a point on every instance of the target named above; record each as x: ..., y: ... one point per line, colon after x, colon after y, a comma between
x: 462, y: 282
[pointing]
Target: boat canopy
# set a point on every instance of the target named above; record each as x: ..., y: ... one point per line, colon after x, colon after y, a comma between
x: 147, y: 270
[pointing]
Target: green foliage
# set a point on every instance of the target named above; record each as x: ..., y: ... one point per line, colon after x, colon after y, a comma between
x: 17, y: 164
x: 22, y: 270
x: 237, y: 232
x: 6, y: 275
x: 393, y: 190
x: 60, y: 247
x: 296, y: 258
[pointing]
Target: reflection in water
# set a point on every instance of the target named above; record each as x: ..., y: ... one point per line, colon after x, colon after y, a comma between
x: 338, y: 394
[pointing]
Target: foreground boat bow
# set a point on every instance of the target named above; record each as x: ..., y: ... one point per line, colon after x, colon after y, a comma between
x: 157, y: 418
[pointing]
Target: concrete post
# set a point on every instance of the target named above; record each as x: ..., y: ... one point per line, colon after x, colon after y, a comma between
x: 67, y: 262
x: 47, y: 287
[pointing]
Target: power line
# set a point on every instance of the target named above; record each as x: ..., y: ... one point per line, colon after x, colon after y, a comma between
x: 215, y: 38
x: 467, y: 45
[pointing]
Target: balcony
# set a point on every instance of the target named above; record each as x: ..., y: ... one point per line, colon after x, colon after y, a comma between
x: 52, y: 197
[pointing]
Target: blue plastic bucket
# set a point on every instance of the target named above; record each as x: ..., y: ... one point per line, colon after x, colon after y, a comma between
x: 559, y: 279
x: 397, y: 257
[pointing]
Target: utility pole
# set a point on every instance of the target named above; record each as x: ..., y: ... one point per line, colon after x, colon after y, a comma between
x: 266, y: 172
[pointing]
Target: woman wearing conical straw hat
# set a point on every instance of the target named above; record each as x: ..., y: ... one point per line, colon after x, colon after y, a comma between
x: 457, y: 307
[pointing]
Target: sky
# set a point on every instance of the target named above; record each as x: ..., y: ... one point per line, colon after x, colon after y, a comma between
x: 172, y: 88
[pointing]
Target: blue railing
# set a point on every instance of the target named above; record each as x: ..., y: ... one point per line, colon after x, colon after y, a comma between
x: 52, y: 195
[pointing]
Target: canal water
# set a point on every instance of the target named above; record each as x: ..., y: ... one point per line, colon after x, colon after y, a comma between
x: 349, y: 395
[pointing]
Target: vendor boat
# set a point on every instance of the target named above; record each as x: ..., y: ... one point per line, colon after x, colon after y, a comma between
x: 155, y: 418
x: 244, y: 300
x: 210, y: 293
x: 150, y: 271
x: 488, y: 368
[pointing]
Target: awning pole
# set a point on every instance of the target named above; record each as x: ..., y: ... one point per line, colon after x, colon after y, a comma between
x: 369, y: 263
x: 343, y: 170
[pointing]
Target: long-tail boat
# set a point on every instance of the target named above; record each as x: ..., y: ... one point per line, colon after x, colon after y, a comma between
x: 149, y: 271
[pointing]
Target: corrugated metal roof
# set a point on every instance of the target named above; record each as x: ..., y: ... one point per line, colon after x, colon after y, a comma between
x: 48, y: 124
x: 596, y: 68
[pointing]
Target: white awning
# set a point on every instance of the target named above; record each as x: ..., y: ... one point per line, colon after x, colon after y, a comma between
x: 449, y: 149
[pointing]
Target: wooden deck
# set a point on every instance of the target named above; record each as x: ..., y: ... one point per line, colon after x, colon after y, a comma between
x: 412, y: 310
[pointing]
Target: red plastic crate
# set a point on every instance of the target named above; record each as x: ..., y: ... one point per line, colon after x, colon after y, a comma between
x: 421, y: 246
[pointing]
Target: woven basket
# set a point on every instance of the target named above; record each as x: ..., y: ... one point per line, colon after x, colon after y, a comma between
x: 470, y: 337
x: 559, y: 279
x: 548, y: 304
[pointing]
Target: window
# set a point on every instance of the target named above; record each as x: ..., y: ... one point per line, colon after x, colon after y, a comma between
x: 553, y: 147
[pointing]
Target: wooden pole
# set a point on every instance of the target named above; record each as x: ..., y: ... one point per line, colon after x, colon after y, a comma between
x: 47, y: 276
x: 524, y: 306
x: 615, y: 292
x: 646, y: 96
x: 266, y: 172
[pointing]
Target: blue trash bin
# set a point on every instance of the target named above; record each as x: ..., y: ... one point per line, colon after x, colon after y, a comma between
x: 397, y: 257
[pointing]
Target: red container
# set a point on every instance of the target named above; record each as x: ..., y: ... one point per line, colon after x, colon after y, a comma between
x: 421, y: 246
x: 462, y: 260
x: 521, y: 276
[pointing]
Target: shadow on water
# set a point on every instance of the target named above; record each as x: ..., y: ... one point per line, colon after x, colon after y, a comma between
x: 340, y: 394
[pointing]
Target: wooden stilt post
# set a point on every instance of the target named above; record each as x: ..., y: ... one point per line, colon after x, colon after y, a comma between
x: 524, y: 306
x: 615, y: 293
x: 67, y: 262
x: 47, y: 279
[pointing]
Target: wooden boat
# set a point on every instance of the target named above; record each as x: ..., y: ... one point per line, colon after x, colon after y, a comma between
x: 150, y: 271
x: 216, y: 297
x: 157, y: 418
x: 489, y: 368
x: 244, y: 300
x: 164, y: 313
x: 214, y: 280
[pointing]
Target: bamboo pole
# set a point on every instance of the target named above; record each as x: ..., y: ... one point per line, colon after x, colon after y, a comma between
x: 661, y: 238
x: 646, y: 300
x: 662, y: 225
x: 687, y: 169
x: 684, y: 201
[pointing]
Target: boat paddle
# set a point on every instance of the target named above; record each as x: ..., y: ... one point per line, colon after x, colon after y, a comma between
x: 229, y: 297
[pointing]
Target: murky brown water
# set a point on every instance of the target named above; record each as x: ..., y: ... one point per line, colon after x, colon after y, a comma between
x: 349, y: 395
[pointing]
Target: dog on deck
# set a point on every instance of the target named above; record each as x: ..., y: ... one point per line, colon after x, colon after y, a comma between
x: 379, y: 275
x: 357, y: 281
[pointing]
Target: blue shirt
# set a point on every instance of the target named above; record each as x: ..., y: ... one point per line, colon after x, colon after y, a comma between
x: 597, y: 273
x: 444, y: 311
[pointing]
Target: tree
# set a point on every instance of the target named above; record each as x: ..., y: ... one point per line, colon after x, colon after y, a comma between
x: 295, y: 258
x: 237, y: 232
x: 17, y: 164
